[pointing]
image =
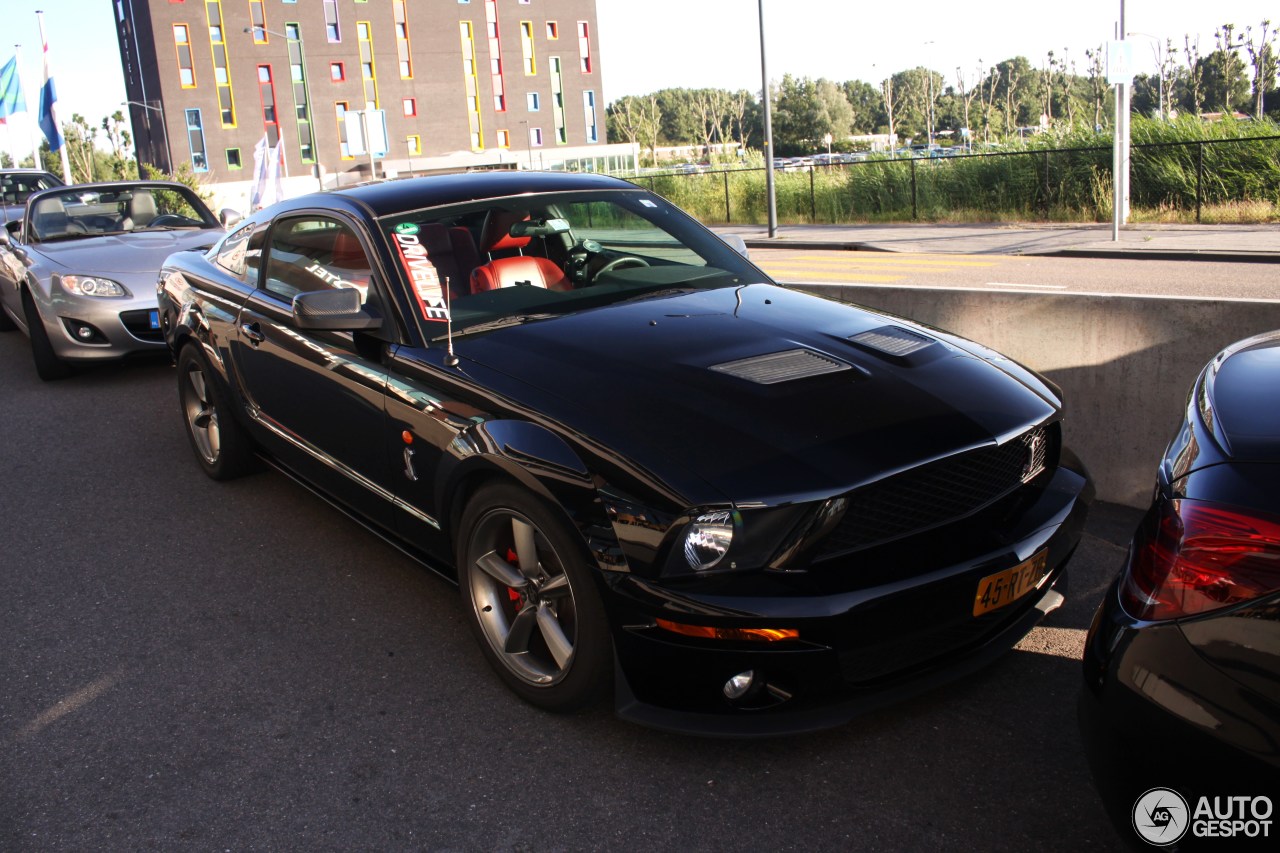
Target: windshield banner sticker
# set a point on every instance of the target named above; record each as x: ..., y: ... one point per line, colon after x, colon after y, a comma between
x: 422, y: 272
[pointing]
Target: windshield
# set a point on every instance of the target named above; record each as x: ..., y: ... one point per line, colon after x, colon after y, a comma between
x: 78, y: 212
x: 517, y: 259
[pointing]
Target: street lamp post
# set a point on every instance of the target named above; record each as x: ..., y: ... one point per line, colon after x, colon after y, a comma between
x: 768, y: 133
x: 164, y: 126
x: 306, y: 92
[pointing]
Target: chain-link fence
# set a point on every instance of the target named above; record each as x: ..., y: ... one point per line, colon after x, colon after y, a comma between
x: 1178, y: 181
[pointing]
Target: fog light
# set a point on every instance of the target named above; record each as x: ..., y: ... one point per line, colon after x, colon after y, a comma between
x: 737, y: 687
x: 84, y: 333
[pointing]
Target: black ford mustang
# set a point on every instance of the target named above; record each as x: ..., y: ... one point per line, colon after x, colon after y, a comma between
x: 749, y: 509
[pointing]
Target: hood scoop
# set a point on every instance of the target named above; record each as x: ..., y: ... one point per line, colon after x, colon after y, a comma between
x: 784, y: 366
x: 894, y: 341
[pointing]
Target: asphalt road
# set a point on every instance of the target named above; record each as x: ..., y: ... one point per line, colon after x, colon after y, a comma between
x: 186, y: 665
x: 1138, y: 277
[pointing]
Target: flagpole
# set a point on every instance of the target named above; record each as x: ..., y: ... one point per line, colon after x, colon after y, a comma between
x: 53, y: 113
x: 31, y: 137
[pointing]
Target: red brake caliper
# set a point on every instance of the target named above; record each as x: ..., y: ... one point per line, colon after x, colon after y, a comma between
x: 514, y: 560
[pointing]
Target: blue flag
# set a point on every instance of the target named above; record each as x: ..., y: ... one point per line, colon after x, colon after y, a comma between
x: 48, y: 97
x: 11, y: 100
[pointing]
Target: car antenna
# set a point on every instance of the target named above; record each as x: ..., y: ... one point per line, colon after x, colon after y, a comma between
x: 450, y: 360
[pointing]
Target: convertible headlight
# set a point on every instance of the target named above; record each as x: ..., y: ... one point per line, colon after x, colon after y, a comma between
x: 707, y: 539
x: 83, y: 285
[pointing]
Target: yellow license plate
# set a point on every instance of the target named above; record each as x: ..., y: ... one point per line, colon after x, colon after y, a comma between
x: 1004, y: 588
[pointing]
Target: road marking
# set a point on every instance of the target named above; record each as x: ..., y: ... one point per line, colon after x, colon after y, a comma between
x: 1032, y: 286
x: 840, y: 277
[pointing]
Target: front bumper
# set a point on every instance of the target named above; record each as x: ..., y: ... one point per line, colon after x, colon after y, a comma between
x: 120, y: 327
x: 861, y: 645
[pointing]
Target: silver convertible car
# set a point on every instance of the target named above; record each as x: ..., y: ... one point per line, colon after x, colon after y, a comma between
x: 78, y: 269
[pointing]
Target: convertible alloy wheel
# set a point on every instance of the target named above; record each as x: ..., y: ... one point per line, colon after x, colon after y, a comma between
x: 531, y: 601
x: 221, y: 445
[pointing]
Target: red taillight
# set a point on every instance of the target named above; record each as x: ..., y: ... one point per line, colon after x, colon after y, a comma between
x: 1190, y: 557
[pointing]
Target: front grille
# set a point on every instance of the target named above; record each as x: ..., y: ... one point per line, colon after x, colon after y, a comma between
x: 939, y: 492
x: 138, y: 324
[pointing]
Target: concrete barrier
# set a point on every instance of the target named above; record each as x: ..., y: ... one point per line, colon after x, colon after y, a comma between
x: 1125, y: 363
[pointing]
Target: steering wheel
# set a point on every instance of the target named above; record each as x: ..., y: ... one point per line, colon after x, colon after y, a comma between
x: 619, y: 263
x: 169, y: 219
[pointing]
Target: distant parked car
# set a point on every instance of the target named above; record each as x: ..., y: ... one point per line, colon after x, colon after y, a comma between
x: 17, y: 185
x: 78, y: 269
x: 1182, y: 663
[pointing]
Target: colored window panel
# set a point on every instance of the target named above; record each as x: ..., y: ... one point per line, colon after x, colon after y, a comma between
x: 331, y: 29
x: 337, y: 72
x: 584, y: 47
x: 368, y: 73
x: 526, y: 48
x: 186, y: 67
x: 404, y: 52
x: 233, y: 159
x: 471, y: 85
x: 195, y: 139
x: 344, y: 146
x: 258, y: 20
x: 589, y: 111
x: 495, y: 56
x: 221, y: 68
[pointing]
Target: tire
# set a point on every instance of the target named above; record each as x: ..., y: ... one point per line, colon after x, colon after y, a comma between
x: 221, y: 444
x: 48, y: 366
x: 531, y: 601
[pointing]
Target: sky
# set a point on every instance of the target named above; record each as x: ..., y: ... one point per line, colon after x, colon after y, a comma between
x: 646, y: 45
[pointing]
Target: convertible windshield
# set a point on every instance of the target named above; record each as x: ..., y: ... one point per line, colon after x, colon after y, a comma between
x: 535, y: 256
x: 91, y: 211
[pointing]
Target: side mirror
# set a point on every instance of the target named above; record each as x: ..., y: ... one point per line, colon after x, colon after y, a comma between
x: 736, y: 242
x: 337, y: 310
x: 229, y: 217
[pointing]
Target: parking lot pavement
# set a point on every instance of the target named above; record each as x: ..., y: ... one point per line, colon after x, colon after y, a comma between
x: 193, y: 665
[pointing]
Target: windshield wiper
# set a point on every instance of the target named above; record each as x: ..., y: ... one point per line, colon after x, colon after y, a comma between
x: 499, y: 323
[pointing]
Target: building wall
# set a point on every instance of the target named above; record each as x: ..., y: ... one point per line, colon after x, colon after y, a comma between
x: 451, y: 117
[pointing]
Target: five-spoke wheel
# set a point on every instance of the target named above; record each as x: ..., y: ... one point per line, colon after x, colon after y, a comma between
x: 222, y: 447
x: 531, y: 600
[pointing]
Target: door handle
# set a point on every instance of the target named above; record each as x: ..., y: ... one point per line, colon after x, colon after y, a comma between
x: 253, y: 332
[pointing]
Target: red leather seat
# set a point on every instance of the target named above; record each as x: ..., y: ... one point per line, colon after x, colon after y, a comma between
x: 513, y: 270
x: 522, y: 270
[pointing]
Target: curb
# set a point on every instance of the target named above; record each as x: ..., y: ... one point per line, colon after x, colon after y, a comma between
x: 1208, y: 255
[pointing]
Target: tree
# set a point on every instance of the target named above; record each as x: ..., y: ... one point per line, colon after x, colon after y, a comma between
x: 868, y: 109
x: 1195, y: 73
x: 1262, y: 58
x: 1097, y: 83
x: 79, y: 138
x: 1225, y: 69
x: 890, y: 107
x: 119, y: 165
x: 807, y: 110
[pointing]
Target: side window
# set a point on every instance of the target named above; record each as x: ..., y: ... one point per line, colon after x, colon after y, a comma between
x: 241, y: 253
x: 231, y: 254
x: 315, y: 253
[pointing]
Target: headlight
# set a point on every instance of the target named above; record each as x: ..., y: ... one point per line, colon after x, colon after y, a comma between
x: 707, y: 539
x: 83, y: 285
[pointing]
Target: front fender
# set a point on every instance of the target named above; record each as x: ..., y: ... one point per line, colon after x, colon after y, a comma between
x: 541, y: 461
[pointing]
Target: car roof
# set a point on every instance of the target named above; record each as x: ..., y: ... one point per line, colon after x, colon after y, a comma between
x: 394, y: 196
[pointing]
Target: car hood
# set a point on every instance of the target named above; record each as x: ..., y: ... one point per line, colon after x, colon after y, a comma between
x: 1236, y: 386
x: 123, y: 254
x: 656, y: 380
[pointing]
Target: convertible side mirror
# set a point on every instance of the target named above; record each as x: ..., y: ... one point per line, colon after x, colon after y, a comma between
x: 229, y: 217
x: 337, y: 310
x: 736, y: 242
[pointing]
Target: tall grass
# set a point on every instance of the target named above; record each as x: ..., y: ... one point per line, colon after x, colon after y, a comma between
x: 1232, y: 167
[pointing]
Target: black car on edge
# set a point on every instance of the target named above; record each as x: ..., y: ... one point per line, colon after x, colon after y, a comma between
x: 750, y: 509
x: 1182, y: 662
